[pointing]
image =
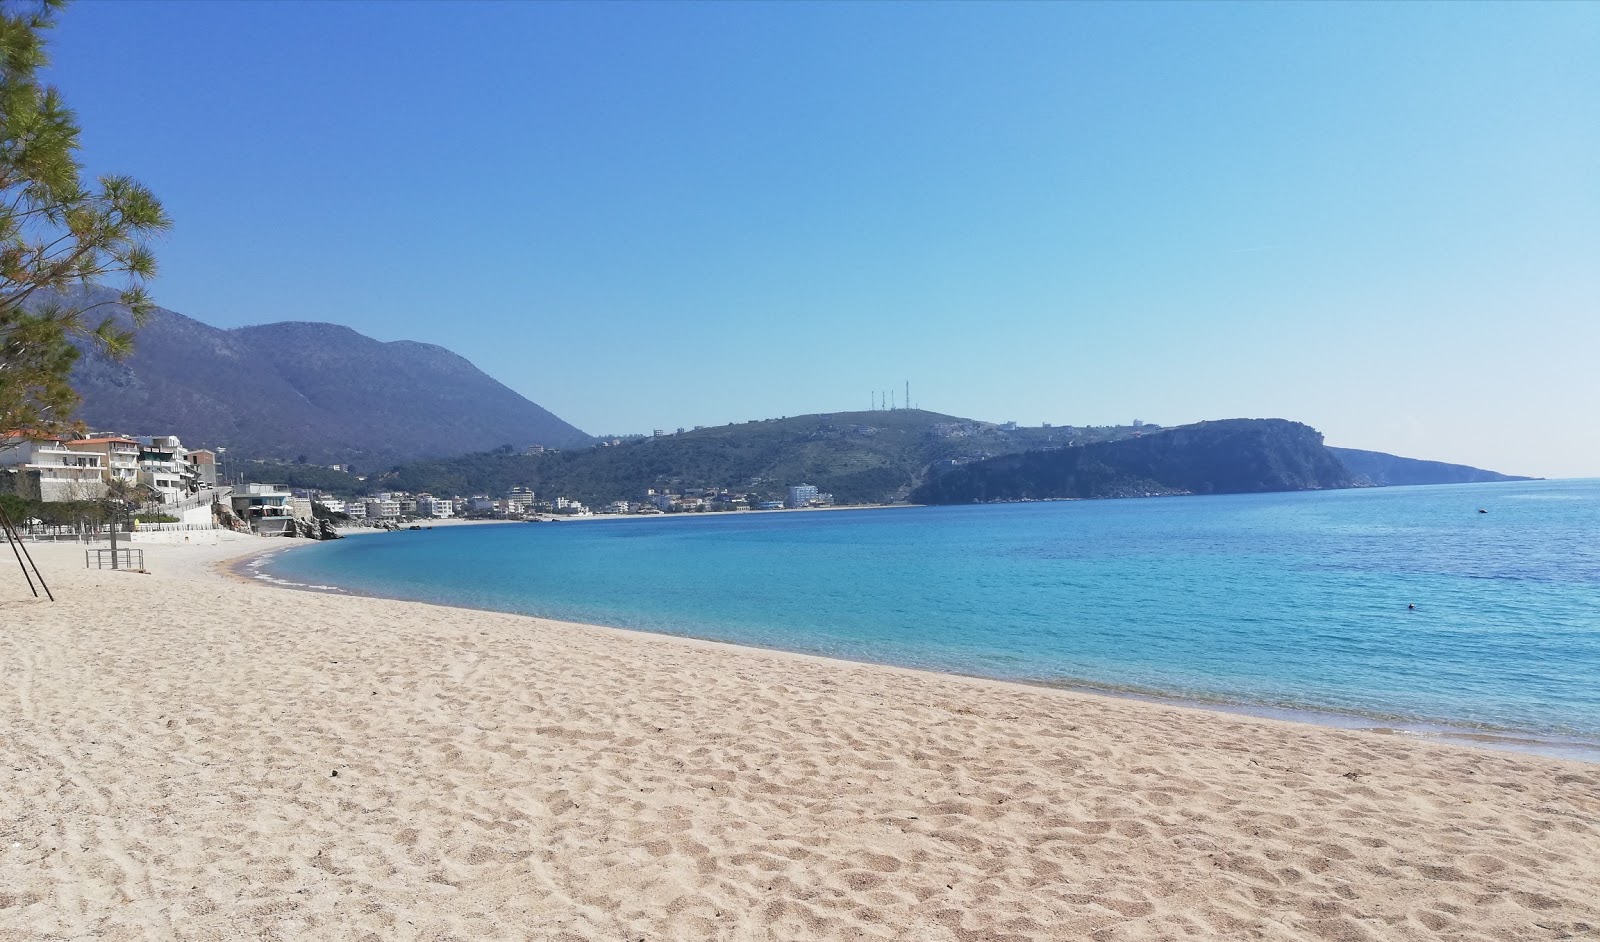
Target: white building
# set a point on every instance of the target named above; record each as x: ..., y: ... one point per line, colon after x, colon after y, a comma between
x: 164, y: 465
x: 333, y: 504
x: 356, y: 509
x: 382, y: 507
x: 63, y: 474
x: 519, y: 501
x: 801, y: 495
x: 437, y: 508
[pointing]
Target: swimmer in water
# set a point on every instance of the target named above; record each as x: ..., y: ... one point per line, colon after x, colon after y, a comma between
x: 1411, y: 608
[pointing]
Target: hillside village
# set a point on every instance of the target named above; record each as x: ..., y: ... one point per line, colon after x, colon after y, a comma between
x: 59, y: 485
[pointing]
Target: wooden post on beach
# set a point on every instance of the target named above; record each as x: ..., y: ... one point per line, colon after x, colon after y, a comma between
x: 21, y: 551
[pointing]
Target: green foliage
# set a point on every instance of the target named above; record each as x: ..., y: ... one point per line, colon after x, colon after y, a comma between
x: 57, y: 234
x: 155, y: 518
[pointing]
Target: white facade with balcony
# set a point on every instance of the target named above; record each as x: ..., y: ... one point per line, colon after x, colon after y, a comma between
x: 119, y: 456
x: 63, y: 474
x: 382, y: 508
x: 164, y: 466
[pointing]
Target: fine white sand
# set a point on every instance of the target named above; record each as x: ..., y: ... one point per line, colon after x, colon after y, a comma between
x: 168, y: 744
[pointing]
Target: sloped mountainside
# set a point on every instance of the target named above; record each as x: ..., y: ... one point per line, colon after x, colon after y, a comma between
x: 1232, y: 456
x: 319, y: 391
x: 1383, y: 470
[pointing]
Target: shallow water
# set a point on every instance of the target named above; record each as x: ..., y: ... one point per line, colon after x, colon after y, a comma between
x: 1271, y: 602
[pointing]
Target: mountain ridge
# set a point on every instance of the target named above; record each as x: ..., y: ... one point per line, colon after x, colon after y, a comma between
x: 305, y: 389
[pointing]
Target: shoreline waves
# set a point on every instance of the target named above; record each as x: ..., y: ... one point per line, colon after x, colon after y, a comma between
x: 194, y: 755
x: 1278, y: 605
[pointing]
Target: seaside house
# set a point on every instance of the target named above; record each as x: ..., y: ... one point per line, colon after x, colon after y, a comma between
x: 57, y: 472
x: 268, y: 508
x: 802, y: 495
x: 120, y: 456
x: 330, y: 503
x: 356, y: 509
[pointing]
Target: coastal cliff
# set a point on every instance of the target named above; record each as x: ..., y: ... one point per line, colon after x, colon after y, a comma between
x: 1232, y: 456
x: 1381, y: 470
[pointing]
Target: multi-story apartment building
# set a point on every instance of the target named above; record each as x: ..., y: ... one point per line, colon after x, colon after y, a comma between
x: 801, y: 495
x: 519, y: 500
x: 60, y: 472
x: 119, y: 456
x: 436, y: 508
x: 164, y: 465
x: 382, y: 507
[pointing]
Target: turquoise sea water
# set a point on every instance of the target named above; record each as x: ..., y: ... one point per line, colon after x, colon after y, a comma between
x: 1274, y: 601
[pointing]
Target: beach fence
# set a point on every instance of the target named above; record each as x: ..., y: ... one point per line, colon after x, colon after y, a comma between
x: 132, y: 559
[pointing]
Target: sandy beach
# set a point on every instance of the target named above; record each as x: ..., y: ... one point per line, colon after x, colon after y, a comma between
x: 186, y: 755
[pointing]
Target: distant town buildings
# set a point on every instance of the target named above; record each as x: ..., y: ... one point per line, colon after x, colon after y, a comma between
x: 802, y: 495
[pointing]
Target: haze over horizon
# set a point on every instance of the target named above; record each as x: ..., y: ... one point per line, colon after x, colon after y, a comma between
x: 1379, y: 220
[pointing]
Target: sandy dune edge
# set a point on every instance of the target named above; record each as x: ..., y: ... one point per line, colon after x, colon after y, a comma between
x: 167, y: 744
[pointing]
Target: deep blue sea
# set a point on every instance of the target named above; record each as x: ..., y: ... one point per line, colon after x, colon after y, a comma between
x: 1271, y: 602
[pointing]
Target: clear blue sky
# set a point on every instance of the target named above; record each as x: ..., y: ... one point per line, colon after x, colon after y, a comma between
x: 1383, y: 220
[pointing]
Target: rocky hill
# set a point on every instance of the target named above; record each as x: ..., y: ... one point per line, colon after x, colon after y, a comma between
x: 318, y: 391
x: 1232, y: 456
x: 1382, y: 470
x: 859, y: 457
